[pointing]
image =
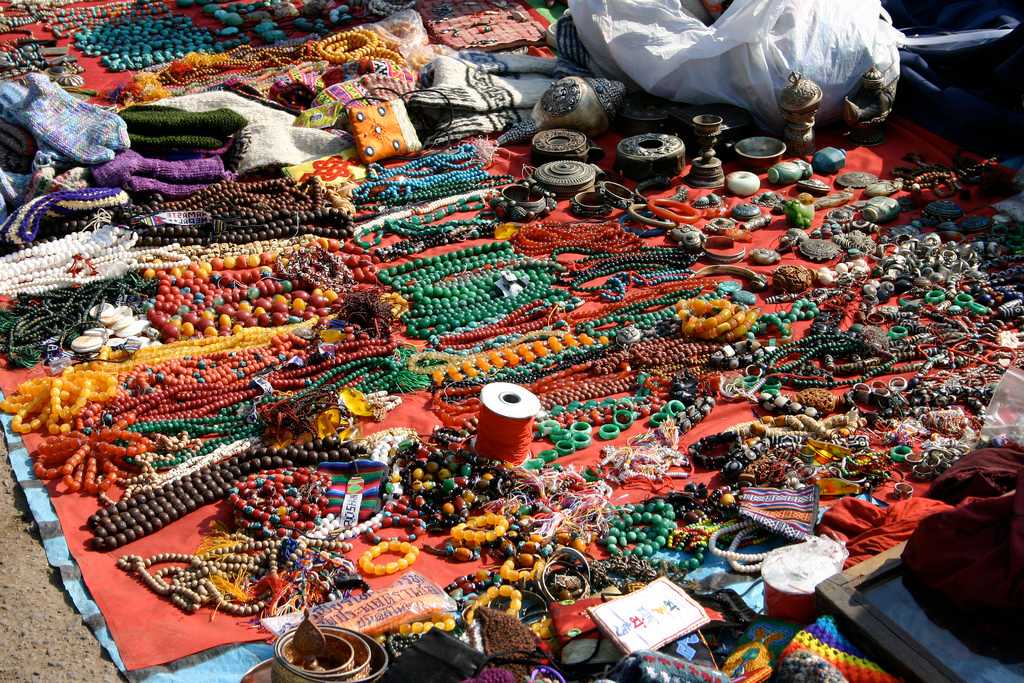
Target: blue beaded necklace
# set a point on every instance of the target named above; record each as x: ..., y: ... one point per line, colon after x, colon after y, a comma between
x: 442, y: 174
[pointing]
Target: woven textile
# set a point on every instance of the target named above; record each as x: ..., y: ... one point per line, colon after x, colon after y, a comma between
x: 468, y: 99
x: 789, y: 513
x: 372, y: 474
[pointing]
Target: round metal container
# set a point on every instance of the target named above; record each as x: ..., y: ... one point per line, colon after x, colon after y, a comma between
x: 366, y: 663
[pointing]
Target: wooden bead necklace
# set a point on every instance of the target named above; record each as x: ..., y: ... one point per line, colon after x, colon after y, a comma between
x: 151, y: 510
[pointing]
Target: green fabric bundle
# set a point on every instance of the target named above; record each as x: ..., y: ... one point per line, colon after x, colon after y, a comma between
x: 158, y: 126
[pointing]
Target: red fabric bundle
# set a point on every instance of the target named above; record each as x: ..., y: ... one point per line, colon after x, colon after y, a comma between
x: 973, y: 555
x: 869, y: 530
x: 983, y: 473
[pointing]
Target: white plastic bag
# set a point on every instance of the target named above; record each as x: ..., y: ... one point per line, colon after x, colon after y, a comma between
x: 1004, y: 417
x: 743, y: 58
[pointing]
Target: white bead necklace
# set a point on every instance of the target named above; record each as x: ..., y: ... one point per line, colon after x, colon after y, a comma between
x: 80, y: 258
x: 744, y: 563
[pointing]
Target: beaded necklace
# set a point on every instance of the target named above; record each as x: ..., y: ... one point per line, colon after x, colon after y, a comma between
x: 190, y: 303
x: 634, y: 267
x: 525, y: 349
x: 469, y: 287
x: 408, y: 224
x: 421, y: 238
x: 527, y: 318
x: 538, y: 239
x: 242, y: 212
x: 80, y: 258
x: 429, y: 177
x: 642, y: 308
x: 31, y: 320
x: 800, y: 373
x: 150, y: 510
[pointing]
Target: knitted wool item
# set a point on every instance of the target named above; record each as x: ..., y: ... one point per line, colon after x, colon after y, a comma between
x: 16, y: 148
x: 132, y: 171
x: 823, y: 639
x: 493, y: 676
x: 12, y: 188
x: 76, y: 178
x: 74, y: 130
x: 269, y: 139
x: 464, y: 99
x: 23, y: 225
x: 159, y: 126
x: 805, y: 667
x: 503, y: 635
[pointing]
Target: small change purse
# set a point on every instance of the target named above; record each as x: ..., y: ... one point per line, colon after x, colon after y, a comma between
x: 382, y: 130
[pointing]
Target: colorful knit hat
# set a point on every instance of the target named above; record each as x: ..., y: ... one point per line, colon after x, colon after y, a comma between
x: 823, y: 639
x: 158, y: 126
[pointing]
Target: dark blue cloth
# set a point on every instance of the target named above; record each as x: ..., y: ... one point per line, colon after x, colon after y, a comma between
x: 970, y: 94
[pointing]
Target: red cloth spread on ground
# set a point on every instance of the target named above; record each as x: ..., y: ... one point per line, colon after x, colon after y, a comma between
x: 150, y: 631
x: 869, y: 530
x: 983, y: 473
x: 973, y: 555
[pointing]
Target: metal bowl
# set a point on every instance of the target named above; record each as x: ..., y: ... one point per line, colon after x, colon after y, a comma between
x: 758, y: 153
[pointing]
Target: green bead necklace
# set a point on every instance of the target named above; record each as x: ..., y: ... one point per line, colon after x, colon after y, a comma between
x: 645, y: 527
x: 464, y: 288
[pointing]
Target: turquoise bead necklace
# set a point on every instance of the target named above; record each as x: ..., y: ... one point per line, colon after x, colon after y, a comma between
x: 802, y: 309
x: 128, y: 43
x: 442, y: 174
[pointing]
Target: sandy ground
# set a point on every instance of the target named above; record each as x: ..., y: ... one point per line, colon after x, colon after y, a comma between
x: 43, y: 637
